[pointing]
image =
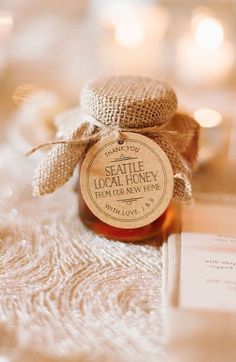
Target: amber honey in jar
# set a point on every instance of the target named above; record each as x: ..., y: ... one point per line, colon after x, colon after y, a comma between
x: 127, y: 187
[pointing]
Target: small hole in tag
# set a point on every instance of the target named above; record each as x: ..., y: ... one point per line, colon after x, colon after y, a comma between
x: 120, y: 142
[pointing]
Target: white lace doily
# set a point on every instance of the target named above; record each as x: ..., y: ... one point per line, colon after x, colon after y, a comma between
x: 66, y: 294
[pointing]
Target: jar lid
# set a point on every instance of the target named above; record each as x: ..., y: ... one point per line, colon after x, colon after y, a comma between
x: 129, y: 101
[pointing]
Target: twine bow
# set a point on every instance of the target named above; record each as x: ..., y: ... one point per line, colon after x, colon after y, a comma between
x: 178, y: 138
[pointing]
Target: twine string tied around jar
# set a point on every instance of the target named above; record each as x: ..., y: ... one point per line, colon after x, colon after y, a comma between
x: 56, y: 168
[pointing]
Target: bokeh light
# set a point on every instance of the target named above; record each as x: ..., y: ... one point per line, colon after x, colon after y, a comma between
x: 209, y: 33
x: 6, y: 23
x: 129, y: 33
x: 207, y: 117
x: 6, y: 18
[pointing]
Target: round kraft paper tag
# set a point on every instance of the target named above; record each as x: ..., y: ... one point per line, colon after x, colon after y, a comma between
x: 127, y: 185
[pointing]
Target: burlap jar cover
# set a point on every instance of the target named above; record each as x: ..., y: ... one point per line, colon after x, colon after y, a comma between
x: 113, y: 105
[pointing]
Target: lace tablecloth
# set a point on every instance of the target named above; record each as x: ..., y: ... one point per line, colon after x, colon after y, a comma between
x: 66, y: 294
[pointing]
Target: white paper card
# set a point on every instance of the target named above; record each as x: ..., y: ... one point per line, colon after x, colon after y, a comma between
x: 208, y: 271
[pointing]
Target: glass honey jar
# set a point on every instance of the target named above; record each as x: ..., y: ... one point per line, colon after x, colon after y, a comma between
x: 129, y: 103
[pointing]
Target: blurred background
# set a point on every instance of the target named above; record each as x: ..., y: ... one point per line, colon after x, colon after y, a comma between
x: 57, y: 45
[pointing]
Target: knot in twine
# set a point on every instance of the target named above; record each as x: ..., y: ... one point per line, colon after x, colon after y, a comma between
x: 178, y: 138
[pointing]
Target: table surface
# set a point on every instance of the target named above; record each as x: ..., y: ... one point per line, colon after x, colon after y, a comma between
x: 67, y: 294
